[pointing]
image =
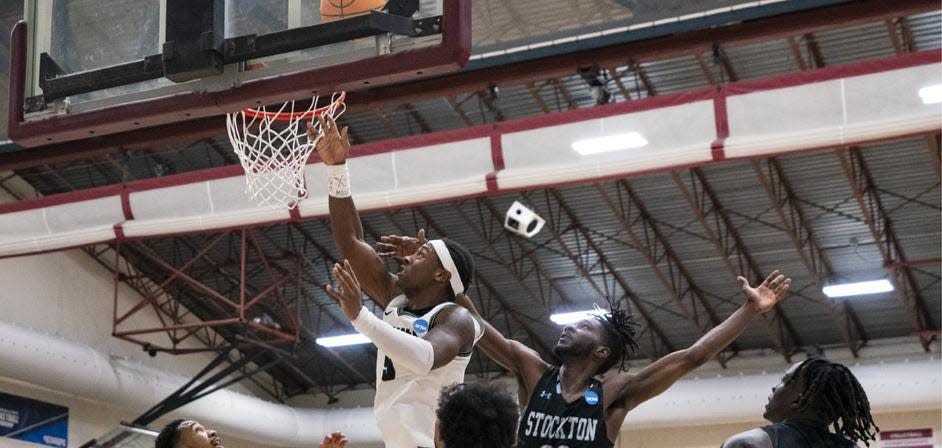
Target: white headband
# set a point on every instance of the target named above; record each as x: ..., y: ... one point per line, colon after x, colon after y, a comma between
x: 445, y: 257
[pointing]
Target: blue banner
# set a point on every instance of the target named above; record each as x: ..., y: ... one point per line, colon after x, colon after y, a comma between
x: 33, y: 421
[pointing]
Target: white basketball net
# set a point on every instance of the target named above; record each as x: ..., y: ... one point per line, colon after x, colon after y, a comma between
x: 273, y: 148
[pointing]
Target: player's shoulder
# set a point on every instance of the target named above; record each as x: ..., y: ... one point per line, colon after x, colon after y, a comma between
x: 753, y: 438
x: 453, y: 314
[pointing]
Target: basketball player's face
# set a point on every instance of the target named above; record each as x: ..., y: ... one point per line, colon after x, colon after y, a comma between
x: 193, y: 435
x: 578, y: 339
x: 418, y: 270
x: 783, y: 403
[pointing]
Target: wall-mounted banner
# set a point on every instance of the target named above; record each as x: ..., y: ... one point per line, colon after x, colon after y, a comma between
x: 33, y: 421
x: 907, y: 438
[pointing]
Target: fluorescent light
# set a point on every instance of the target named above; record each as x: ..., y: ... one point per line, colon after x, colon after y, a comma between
x: 931, y: 94
x: 575, y: 316
x: 858, y: 289
x: 343, y: 340
x: 610, y: 143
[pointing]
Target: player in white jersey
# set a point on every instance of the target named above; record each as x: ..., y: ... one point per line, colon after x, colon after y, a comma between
x: 424, y: 340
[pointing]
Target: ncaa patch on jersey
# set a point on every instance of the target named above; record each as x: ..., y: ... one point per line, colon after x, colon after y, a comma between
x: 420, y: 326
x: 591, y: 397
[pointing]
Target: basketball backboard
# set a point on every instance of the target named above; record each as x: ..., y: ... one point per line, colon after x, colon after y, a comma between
x: 89, y: 70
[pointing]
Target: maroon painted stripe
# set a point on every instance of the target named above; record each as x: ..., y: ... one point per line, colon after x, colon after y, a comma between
x: 126, y: 204
x: 722, y: 124
x: 497, y: 158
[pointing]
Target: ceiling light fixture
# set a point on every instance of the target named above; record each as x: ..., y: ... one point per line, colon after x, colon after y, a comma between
x: 931, y: 94
x: 858, y: 288
x: 342, y: 340
x: 611, y: 143
x: 575, y: 316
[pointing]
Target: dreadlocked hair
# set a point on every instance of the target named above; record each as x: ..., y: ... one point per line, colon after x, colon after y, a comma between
x: 619, y: 335
x: 832, y: 391
x: 169, y: 436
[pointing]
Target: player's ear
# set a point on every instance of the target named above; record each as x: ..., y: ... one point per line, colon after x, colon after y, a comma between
x: 602, y: 353
x: 442, y: 275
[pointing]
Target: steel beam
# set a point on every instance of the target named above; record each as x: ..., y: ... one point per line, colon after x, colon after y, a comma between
x: 881, y: 229
x: 786, y: 205
x: 616, y: 77
x: 934, y: 145
x: 656, y: 250
x: 456, y: 106
x: 722, y: 234
x: 661, y: 345
x: 515, y: 267
x: 535, y: 93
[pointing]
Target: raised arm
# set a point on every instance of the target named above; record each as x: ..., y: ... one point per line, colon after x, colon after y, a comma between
x: 630, y: 391
x: 345, y: 224
x: 510, y: 354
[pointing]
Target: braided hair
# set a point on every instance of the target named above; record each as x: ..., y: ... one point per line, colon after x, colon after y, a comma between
x: 169, y: 436
x: 619, y: 335
x: 833, y: 393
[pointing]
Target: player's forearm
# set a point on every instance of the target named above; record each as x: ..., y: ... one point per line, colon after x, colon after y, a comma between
x: 492, y: 343
x: 415, y: 354
x: 721, y: 336
x: 345, y: 223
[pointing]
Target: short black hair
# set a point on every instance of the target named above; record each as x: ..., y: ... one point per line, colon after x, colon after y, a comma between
x: 833, y: 393
x: 475, y: 415
x: 464, y: 263
x: 620, y: 330
x: 170, y: 435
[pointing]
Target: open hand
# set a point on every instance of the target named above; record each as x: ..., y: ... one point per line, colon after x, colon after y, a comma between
x: 768, y: 293
x: 347, y: 293
x: 335, y: 440
x: 333, y: 146
x: 397, y: 246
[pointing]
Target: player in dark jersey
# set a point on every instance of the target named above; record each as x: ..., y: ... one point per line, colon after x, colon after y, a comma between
x: 813, y: 395
x: 583, y: 402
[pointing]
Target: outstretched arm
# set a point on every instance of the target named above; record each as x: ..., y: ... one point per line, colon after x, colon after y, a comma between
x: 630, y: 391
x: 333, y: 148
x: 510, y: 354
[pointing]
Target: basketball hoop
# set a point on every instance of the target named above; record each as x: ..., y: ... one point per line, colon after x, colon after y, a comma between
x: 273, y: 148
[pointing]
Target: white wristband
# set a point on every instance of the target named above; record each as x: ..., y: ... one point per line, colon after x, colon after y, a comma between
x: 338, y: 181
x: 412, y: 352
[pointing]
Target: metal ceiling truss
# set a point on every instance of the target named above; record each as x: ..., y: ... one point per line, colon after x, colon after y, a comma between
x: 894, y: 259
x: 251, y: 314
x: 654, y: 248
x: 560, y: 221
x: 236, y: 312
x: 787, y: 206
x: 723, y: 235
x: 165, y: 308
x: 308, y: 335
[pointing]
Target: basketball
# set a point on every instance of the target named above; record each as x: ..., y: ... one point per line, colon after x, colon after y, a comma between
x: 337, y: 9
